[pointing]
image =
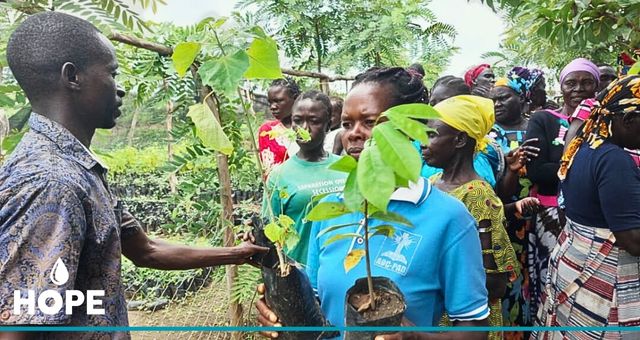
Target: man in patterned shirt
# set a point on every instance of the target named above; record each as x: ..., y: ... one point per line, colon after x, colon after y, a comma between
x: 55, y: 204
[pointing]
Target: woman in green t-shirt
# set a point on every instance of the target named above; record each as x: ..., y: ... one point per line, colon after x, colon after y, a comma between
x: 292, y: 185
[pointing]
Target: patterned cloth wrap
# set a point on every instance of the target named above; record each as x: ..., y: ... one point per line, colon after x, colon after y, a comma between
x: 590, y: 283
x: 486, y: 208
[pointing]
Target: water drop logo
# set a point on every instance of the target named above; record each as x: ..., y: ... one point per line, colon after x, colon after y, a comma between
x: 59, y: 274
x: 56, y: 301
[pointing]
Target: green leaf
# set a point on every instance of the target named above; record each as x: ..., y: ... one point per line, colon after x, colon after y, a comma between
x: 335, y: 227
x: 274, y: 232
x: 183, y: 56
x: 401, y: 181
x: 353, y: 258
x: 11, y: 141
x: 292, y: 240
x: 353, y: 199
x: 224, y: 73
x: 286, y: 221
x: 6, y: 101
x: 263, y: 60
x: 345, y: 164
x: 376, y: 180
x: 208, y: 129
x: 390, y: 216
x: 415, y: 111
x: 326, y: 211
x: 385, y: 229
x: 303, y: 134
x: 410, y: 127
x: 339, y: 237
x: 397, y: 151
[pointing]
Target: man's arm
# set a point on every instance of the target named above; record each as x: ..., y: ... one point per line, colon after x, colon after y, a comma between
x: 158, y: 254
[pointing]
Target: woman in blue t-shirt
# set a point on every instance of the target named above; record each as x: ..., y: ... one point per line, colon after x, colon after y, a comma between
x: 594, y: 270
x: 439, y: 267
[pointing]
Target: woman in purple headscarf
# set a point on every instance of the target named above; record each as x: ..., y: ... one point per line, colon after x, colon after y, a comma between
x: 578, y: 81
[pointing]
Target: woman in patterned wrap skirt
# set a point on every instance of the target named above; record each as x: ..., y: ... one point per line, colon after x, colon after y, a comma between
x: 594, y: 271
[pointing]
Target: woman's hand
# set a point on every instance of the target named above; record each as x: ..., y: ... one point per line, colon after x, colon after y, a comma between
x: 266, y: 317
x: 527, y: 206
x: 518, y: 158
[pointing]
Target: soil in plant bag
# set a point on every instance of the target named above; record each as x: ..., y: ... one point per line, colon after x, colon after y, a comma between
x: 290, y: 297
x: 390, y: 307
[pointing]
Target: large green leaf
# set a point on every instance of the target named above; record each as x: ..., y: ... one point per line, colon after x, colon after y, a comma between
x: 410, y: 127
x: 274, y: 232
x: 183, y: 56
x: 385, y: 229
x: 339, y: 237
x: 345, y: 164
x: 376, y: 180
x: 327, y: 210
x: 208, y: 129
x: 390, y: 216
x: 397, y: 151
x: 224, y: 73
x: 353, y: 199
x: 263, y: 60
x: 415, y: 111
x: 11, y: 141
x: 335, y: 227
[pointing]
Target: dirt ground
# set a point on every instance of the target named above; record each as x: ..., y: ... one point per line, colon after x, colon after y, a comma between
x: 206, y: 308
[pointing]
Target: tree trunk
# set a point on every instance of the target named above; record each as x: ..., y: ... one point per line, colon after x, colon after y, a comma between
x: 224, y: 179
x: 132, y: 128
x: 173, y: 180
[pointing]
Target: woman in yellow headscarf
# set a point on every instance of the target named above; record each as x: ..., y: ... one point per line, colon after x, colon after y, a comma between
x: 460, y: 132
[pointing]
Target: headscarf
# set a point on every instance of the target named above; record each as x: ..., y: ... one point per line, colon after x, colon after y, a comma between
x: 620, y: 97
x: 471, y: 114
x: 472, y: 74
x: 580, y: 64
x: 521, y: 80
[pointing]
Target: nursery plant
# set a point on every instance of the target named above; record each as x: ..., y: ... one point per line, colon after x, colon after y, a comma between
x: 389, y: 161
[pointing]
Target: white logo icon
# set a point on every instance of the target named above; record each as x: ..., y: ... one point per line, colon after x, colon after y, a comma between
x: 59, y: 274
x: 51, y: 301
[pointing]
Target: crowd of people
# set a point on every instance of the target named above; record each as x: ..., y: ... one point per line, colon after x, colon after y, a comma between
x: 503, y: 150
x: 525, y: 213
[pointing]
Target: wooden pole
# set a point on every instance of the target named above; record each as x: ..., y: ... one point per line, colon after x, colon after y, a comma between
x: 224, y: 180
x: 173, y: 179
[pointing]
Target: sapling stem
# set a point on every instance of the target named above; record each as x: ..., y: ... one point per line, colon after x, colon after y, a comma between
x: 284, y: 266
x: 372, y: 297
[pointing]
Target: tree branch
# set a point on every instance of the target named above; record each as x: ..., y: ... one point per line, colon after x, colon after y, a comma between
x: 167, y: 51
x: 308, y: 74
x: 141, y: 43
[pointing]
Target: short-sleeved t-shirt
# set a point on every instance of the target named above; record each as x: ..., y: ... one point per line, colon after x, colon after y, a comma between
x: 292, y: 185
x: 602, y: 188
x: 437, y: 264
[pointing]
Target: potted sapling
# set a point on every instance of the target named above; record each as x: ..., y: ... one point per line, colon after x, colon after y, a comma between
x: 388, y: 161
x: 288, y: 291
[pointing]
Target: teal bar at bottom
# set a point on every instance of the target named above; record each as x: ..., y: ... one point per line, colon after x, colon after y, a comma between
x: 301, y: 329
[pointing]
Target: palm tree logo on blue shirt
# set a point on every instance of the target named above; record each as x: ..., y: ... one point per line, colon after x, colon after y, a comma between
x: 402, y: 242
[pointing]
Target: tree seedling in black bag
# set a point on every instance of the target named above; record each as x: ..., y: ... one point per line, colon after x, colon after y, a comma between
x: 388, y: 161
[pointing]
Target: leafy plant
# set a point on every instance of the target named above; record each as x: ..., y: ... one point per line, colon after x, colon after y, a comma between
x: 387, y: 162
x: 561, y: 30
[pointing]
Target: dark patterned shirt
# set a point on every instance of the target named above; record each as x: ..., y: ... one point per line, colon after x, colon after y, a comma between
x: 55, y: 204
